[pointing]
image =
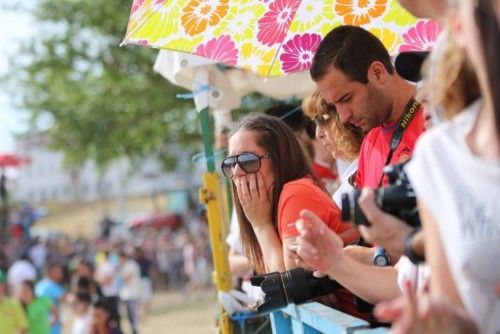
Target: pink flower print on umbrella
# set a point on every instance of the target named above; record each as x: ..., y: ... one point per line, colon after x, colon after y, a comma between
x: 142, y: 42
x: 136, y: 5
x: 221, y: 49
x: 298, y: 52
x: 274, y: 25
x: 421, y: 37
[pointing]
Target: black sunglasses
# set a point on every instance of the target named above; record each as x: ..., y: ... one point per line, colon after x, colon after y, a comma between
x: 323, y: 120
x: 249, y: 162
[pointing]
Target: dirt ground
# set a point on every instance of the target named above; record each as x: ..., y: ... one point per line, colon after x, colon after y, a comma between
x: 172, y: 312
x: 176, y: 312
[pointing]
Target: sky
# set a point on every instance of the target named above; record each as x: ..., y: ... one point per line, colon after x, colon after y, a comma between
x: 15, y: 26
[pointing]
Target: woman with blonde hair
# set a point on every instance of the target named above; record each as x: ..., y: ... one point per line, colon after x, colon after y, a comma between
x: 343, y: 141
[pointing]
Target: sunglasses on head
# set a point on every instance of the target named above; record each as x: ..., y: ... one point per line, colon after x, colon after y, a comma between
x: 323, y: 120
x: 248, y: 162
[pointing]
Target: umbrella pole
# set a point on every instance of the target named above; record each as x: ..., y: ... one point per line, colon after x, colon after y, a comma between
x: 212, y: 195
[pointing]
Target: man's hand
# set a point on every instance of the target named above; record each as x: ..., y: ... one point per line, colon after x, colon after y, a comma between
x: 317, y: 245
x: 385, y: 230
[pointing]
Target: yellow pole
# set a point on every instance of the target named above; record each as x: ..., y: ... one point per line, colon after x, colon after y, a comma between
x: 213, y: 196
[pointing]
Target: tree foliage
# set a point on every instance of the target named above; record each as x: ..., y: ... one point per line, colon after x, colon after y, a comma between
x: 105, y: 101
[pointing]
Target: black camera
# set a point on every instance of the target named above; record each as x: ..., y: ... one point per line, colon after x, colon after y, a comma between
x: 293, y: 286
x: 398, y: 199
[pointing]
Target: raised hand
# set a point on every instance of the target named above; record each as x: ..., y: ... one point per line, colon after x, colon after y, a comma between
x: 317, y: 245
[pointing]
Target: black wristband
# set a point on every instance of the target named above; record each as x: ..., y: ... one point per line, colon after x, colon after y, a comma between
x: 409, y: 252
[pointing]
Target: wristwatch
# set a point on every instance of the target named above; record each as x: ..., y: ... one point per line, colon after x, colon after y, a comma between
x: 381, y: 258
x: 409, y: 252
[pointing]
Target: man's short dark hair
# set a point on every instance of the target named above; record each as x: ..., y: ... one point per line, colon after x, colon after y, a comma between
x: 351, y: 50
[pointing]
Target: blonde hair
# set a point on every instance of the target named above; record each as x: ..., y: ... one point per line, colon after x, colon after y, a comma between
x: 450, y: 81
x: 348, y: 137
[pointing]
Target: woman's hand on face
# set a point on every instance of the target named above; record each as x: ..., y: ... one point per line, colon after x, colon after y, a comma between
x: 254, y: 198
x: 317, y: 245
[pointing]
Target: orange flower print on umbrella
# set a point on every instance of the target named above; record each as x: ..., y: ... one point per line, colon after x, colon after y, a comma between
x: 360, y: 12
x: 198, y: 14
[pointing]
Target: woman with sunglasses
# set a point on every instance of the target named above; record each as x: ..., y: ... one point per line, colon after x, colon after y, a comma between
x: 272, y: 183
x: 343, y: 141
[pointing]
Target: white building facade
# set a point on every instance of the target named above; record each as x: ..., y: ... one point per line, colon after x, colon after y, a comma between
x: 45, y: 179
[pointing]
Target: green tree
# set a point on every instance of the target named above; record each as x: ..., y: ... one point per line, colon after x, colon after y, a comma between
x: 104, y: 101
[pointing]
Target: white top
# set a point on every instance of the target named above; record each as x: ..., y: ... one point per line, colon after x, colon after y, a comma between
x: 343, y: 165
x: 21, y: 270
x: 81, y: 324
x: 130, y: 274
x: 104, y: 271
x: 38, y: 255
x: 233, y: 239
x: 462, y: 192
x: 345, y: 186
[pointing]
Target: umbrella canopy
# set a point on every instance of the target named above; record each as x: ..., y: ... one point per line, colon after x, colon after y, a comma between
x: 229, y: 85
x: 271, y: 38
x: 12, y: 160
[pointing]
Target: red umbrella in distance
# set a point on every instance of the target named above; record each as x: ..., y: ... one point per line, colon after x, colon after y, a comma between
x: 12, y: 160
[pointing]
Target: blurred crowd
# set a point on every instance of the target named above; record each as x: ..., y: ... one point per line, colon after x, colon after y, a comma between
x: 100, y: 285
x: 409, y: 231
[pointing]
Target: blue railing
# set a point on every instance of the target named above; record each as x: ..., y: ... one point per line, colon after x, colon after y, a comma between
x: 314, y: 318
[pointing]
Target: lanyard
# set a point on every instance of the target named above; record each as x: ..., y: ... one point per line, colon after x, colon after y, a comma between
x: 404, y: 121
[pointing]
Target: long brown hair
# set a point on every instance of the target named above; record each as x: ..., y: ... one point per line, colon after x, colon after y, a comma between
x: 289, y: 163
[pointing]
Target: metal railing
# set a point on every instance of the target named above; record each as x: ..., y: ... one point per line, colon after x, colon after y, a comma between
x: 314, y: 318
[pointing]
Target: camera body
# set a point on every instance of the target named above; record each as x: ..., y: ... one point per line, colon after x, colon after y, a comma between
x: 397, y: 199
x: 293, y: 286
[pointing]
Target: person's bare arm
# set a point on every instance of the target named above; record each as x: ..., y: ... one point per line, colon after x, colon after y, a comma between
x: 239, y: 264
x: 442, y: 283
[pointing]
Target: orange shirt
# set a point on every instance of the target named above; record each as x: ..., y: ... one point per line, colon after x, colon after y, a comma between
x: 303, y: 194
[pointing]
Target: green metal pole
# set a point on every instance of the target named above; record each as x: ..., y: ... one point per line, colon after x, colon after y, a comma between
x: 207, y: 139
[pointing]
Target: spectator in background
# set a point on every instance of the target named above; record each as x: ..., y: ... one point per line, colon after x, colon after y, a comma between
x: 83, y: 280
x: 343, y: 141
x: 81, y: 314
x: 102, y: 321
x: 12, y: 317
x: 322, y: 163
x: 106, y: 276
x: 51, y: 287
x: 146, y: 282
x: 40, y: 311
x: 130, y: 291
x: 38, y: 255
x: 20, y: 271
x: 106, y: 225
